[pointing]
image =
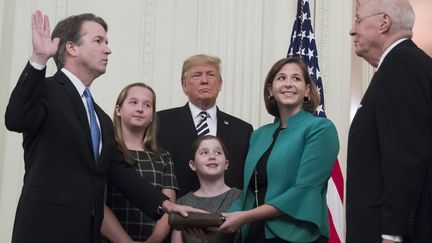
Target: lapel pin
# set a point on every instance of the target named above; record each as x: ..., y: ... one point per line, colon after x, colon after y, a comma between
x: 226, y: 122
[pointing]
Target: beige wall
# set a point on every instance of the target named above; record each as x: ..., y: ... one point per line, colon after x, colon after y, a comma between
x: 151, y: 38
x: 422, y: 35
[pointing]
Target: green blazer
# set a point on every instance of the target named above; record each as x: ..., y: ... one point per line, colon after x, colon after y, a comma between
x: 298, y: 169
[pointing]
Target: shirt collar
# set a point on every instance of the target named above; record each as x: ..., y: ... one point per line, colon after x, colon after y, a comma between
x: 389, y: 49
x: 195, y: 111
x: 75, y: 81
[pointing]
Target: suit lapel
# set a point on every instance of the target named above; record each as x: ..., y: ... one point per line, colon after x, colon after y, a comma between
x: 77, y: 105
x: 185, y: 120
x: 223, y: 124
x: 105, y: 125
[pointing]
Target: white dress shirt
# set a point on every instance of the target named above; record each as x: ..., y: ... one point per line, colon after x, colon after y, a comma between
x: 211, y: 119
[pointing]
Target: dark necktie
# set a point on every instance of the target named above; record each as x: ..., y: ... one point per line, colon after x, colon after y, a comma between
x: 94, y: 128
x: 202, y: 127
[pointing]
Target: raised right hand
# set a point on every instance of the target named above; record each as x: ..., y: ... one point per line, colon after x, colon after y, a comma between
x: 43, y: 46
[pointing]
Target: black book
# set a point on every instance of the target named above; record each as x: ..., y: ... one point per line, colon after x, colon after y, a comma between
x: 195, y: 220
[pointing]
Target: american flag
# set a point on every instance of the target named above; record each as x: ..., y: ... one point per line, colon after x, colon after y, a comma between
x: 303, y: 44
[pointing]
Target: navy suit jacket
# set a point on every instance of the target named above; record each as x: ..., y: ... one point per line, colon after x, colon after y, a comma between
x: 389, y: 180
x: 62, y: 194
x: 177, y: 133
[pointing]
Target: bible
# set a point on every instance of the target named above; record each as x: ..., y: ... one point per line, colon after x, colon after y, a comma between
x: 195, y: 220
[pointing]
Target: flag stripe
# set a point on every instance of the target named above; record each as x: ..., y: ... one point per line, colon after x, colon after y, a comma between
x: 337, y: 177
x: 336, y: 212
x: 334, y: 235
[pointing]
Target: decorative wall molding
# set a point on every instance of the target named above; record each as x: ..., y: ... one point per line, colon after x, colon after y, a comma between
x: 321, y: 24
x: 146, y: 37
x: 61, y: 11
x: 232, y: 30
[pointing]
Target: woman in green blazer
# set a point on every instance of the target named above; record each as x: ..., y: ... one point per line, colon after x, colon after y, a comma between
x: 288, y: 164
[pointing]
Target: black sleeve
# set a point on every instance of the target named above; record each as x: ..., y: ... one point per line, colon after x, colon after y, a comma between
x: 140, y: 192
x: 25, y: 110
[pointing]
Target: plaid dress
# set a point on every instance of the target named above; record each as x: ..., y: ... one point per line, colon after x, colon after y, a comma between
x: 159, y: 170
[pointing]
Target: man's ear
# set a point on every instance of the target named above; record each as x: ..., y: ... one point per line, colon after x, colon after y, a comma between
x: 221, y: 83
x: 183, y: 84
x: 71, y: 49
x: 385, y: 23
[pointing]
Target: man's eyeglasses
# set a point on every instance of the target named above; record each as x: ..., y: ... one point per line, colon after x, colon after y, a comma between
x: 357, y: 19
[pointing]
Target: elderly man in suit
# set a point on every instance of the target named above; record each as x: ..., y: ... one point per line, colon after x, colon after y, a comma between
x: 389, y: 179
x: 69, y: 147
x: 179, y: 127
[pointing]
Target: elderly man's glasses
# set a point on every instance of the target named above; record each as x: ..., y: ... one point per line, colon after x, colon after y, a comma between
x: 357, y: 19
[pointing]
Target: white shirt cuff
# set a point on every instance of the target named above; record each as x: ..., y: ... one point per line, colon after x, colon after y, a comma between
x: 396, y: 238
x: 37, y: 65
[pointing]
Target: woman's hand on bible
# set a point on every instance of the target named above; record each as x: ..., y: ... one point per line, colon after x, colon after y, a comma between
x: 232, y: 222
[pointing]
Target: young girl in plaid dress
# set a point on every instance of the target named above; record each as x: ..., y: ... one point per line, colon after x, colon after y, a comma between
x: 135, y: 128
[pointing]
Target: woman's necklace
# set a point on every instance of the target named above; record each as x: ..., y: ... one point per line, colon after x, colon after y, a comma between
x: 266, y: 154
x: 256, y: 186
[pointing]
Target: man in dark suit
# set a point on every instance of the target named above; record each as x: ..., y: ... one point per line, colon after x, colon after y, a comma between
x: 389, y: 179
x: 202, y: 82
x: 68, y: 141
